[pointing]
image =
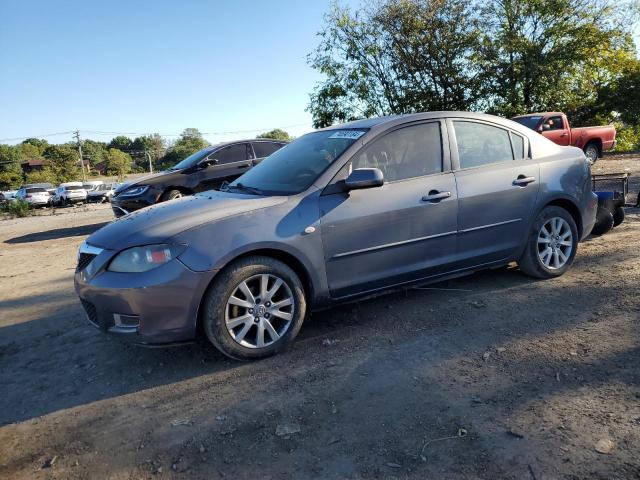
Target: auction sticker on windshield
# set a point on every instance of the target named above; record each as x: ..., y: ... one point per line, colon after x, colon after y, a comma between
x: 351, y: 134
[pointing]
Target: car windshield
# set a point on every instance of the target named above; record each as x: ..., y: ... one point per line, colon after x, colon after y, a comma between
x: 529, y: 122
x: 74, y: 187
x: 192, y: 160
x: 293, y: 168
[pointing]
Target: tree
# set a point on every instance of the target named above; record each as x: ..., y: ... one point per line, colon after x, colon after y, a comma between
x: 93, y: 151
x: 276, y: 134
x: 551, y: 55
x: 399, y: 56
x: 189, y: 143
x: 118, y: 163
x: 120, y: 142
x: 11, y: 176
x: 39, y: 143
x: 40, y: 176
x: 151, y: 145
x: 63, y: 163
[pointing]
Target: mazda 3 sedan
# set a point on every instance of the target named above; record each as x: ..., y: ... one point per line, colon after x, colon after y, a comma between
x: 343, y: 212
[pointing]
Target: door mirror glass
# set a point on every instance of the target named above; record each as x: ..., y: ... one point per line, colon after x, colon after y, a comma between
x: 545, y: 127
x: 364, y: 178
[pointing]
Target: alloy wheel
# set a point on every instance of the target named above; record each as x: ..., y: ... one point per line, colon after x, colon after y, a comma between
x: 259, y: 311
x: 555, y: 243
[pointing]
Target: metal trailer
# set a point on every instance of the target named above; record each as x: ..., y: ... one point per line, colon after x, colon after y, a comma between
x: 612, y: 190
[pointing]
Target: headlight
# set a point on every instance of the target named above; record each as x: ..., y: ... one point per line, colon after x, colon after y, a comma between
x: 142, y: 259
x: 135, y: 191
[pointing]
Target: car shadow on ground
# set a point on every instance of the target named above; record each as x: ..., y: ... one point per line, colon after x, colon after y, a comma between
x: 58, y: 233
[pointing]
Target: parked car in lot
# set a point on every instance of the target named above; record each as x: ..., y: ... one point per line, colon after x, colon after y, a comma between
x: 204, y: 170
x: 555, y: 126
x: 102, y: 193
x: 69, y: 193
x: 340, y: 213
x: 7, y: 196
x: 35, y: 196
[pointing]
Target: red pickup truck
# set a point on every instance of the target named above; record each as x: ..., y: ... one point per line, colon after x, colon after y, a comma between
x: 555, y: 126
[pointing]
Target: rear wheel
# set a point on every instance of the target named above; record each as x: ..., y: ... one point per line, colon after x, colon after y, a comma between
x: 551, y: 245
x: 618, y: 216
x: 254, y: 308
x: 604, y: 222
x: 592, y: 152
x: 171, y: 195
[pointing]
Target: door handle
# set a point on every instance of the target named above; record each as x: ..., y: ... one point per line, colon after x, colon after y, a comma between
x: 523, y: 181
x: 435, y: 196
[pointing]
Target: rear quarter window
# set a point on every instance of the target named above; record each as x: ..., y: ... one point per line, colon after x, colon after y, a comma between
x: 264, y: 149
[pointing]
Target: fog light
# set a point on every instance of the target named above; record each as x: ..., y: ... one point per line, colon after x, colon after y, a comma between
x: 126, y: 320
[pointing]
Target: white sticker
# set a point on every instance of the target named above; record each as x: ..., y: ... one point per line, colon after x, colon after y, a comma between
x: 350, y: 134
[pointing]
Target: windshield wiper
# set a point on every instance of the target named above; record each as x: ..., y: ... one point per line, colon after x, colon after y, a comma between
x: 244, y: 188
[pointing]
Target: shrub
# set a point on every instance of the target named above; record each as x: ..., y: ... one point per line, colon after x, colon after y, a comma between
x: 628, y: 138
x: 18, y: 208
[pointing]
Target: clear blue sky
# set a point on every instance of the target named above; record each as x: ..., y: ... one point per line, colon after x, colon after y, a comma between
x: 156, y: 66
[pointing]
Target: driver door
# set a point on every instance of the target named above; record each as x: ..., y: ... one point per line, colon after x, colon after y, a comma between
x: 402, y: 231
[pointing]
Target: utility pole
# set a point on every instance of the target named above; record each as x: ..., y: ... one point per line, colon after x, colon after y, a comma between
x: 148, y: 155
x: 76, y: 135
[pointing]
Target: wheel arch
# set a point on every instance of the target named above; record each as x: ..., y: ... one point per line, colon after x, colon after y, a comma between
x: 288, y: 258
x: 570, y: 207
x: 594, y: 141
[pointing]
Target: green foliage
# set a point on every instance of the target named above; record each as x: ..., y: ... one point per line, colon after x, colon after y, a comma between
x: 62, y: 163
x: 40, y: 176
x: 19, y: 208
x: 628, y: 138
x: 148, y: 146
x: 94, y: 152
x: 120, y: 142
x: 276, y: 134
x: 502, y: 56
x: 397, y: 56
x: 118, y: 163
x: 189, y: 143
x: 39, y: 143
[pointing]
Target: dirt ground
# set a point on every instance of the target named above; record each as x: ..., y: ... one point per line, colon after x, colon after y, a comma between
x: 490, y: 376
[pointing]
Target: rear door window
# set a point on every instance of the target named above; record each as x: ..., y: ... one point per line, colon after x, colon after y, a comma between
x: 481, y: 144
x: 264, y: 149
x: 232, y: 153
x: 518, y: 146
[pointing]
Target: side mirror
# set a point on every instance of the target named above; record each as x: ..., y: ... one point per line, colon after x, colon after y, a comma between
x: 364, y: 178
x: 546, y: 127
x: 207, y: 162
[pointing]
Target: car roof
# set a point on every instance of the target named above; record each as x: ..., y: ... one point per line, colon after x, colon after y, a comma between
x: 388, y: 120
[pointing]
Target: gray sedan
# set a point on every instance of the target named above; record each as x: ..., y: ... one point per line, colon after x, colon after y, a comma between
x: 340, y: 213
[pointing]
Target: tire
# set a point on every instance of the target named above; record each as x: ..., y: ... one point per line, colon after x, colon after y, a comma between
x: 536, y: 260
x: 171, y: 195
x: 618, y: 216
x: 604, y: 222
x: 592, y: 152
x: 218, y: 312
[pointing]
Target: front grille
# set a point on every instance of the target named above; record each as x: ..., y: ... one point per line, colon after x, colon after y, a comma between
x: 92, y: 315
x: 84, y: 260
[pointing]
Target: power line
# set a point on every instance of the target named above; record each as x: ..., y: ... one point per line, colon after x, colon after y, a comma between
x: 35, y: 136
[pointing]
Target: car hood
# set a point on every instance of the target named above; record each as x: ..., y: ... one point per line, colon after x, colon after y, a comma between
x: 162, y: 221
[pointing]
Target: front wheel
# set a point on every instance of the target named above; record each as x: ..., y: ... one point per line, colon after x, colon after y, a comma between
x: 551, y: 245
x: 171, y: 195
x: 254, y: 308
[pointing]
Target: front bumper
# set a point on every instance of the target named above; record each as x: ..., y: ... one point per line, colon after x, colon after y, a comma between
x: 123, y: 205
x: 155, y: 307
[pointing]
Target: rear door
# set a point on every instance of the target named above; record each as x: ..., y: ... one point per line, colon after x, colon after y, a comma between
x: 497, y: 190
x: 401, y: 231
x: 227, y: 163
x: 556, y: 129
